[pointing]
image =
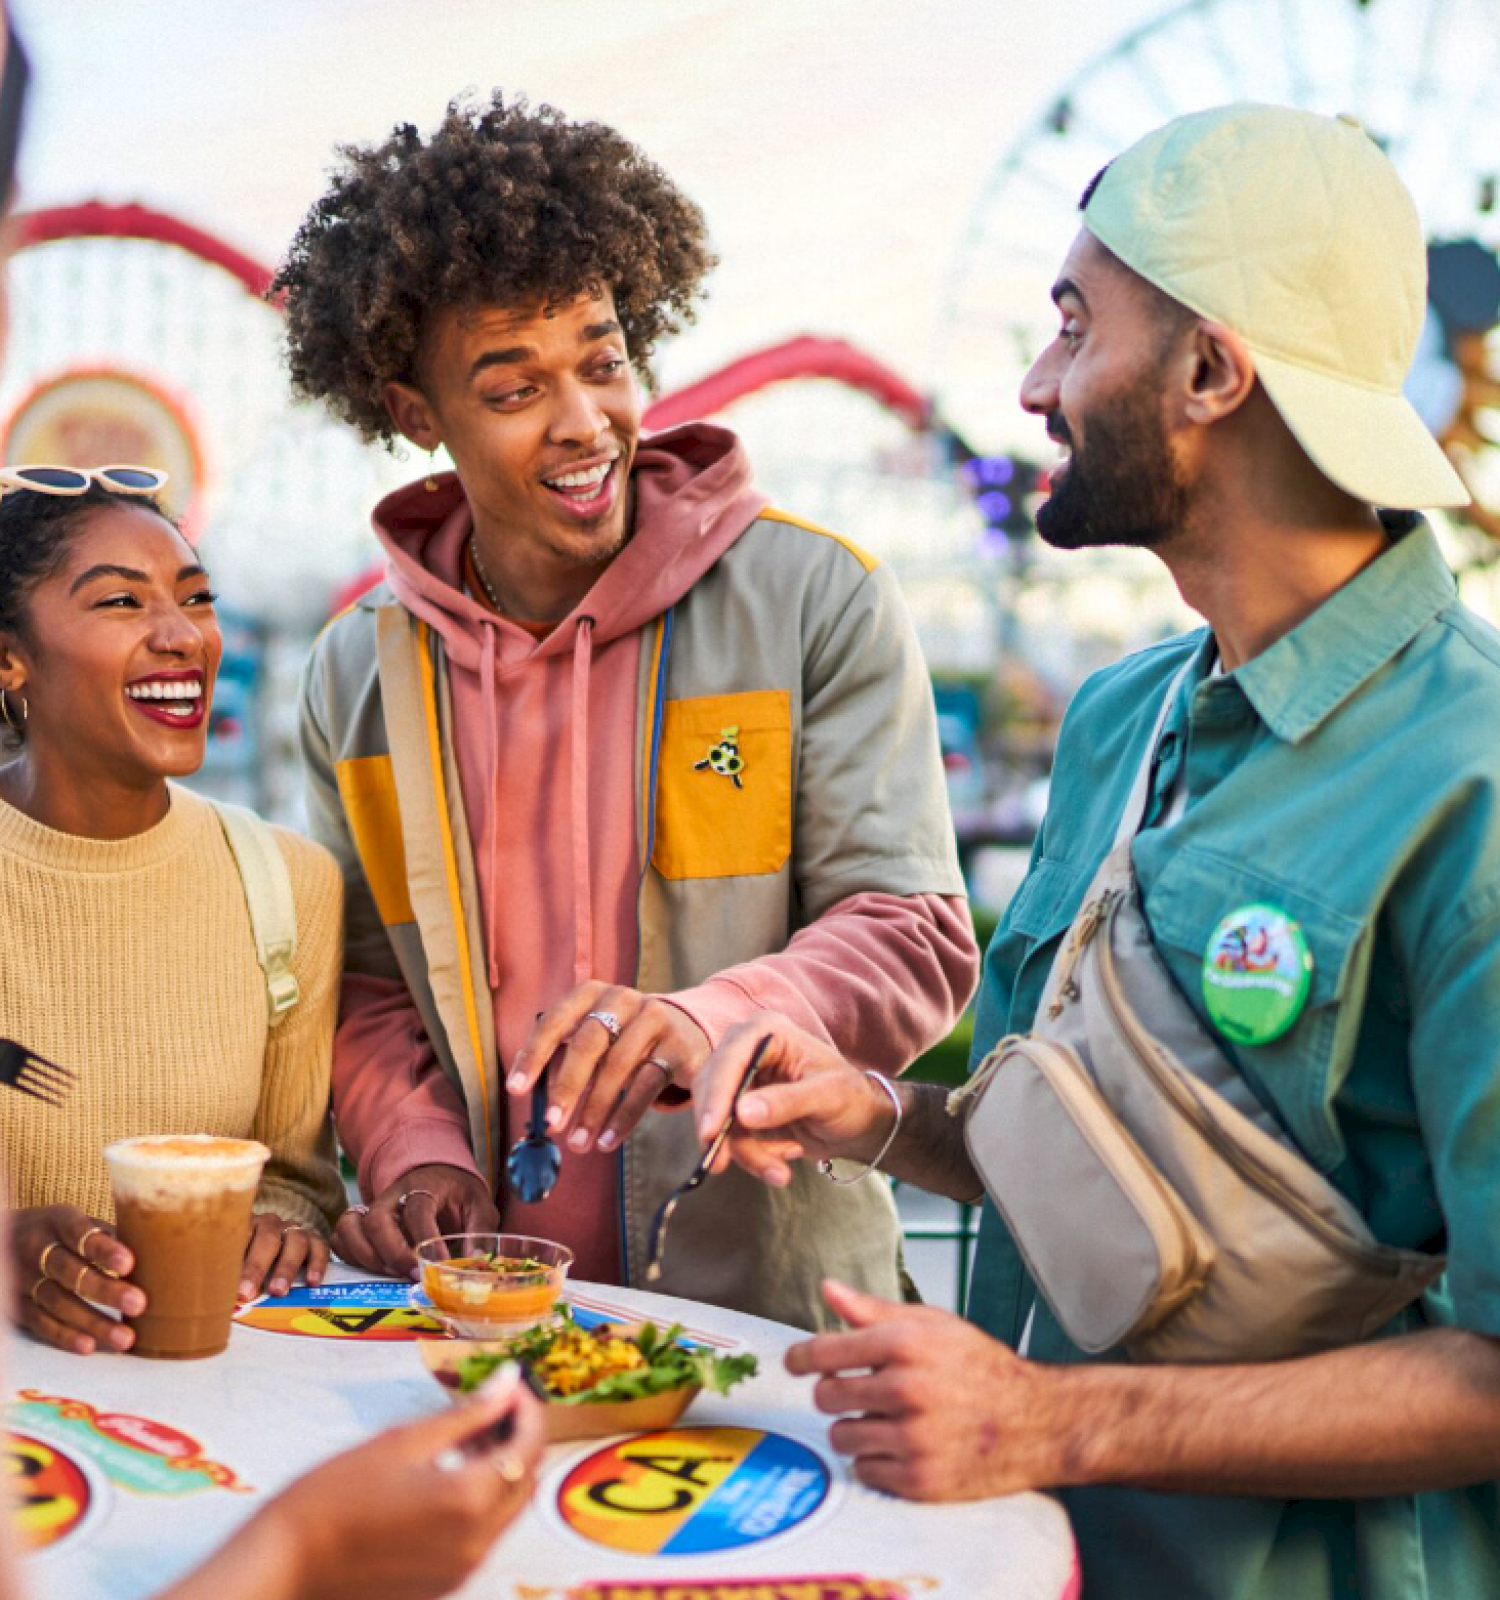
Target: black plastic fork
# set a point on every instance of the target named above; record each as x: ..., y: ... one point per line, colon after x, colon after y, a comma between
x: 657, y: 1243
x: 24, y: 1070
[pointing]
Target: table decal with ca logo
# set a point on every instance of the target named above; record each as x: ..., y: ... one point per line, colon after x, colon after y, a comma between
x: 693, y: 1491
x: 373, y: 1311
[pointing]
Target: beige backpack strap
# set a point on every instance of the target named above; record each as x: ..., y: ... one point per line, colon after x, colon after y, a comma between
x: 268, y: 897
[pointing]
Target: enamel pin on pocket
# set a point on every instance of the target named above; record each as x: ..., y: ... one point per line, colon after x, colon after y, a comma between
x: 725, y: 757
x: 1257, y: 972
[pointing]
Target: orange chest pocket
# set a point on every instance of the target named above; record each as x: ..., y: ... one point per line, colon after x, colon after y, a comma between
x: 724, y: 786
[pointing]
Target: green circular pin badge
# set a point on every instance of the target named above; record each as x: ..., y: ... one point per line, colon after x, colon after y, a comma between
x: 1257, y: 972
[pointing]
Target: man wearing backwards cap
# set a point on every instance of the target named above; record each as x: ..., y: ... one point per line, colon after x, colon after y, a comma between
x: 1237, y: 316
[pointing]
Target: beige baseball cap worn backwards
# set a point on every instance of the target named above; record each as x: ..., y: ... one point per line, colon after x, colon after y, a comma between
x: 1293, y: 230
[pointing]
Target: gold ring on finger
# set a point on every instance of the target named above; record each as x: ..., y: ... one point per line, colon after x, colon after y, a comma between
x: 83, y: 1272
x: 510, y: 1467
x: 42, y: 1264
x: 32, y: 1291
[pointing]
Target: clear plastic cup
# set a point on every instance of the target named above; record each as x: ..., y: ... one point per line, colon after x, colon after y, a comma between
x: 480, y: 1287
x: 183, y: 1204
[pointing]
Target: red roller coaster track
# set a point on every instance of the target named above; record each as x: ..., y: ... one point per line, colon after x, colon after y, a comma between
x: 804, y: 357
x: 93, y: 219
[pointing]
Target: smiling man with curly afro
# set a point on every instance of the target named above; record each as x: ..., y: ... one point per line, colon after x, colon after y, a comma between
x: 507, y: 741
x: 503, y: 205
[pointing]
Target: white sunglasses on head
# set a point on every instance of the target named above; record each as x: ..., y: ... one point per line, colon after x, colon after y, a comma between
x: 76, y: 480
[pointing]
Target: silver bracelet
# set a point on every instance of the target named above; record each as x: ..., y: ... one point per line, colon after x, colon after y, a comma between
x: 826, y: 1166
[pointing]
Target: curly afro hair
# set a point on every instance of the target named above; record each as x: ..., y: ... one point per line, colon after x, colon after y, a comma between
x: 502, y: 205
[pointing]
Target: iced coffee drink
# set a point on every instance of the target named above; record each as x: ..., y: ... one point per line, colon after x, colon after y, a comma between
x: 182, y: 1207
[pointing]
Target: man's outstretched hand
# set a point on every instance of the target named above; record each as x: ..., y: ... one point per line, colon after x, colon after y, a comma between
x: 929, y: 1407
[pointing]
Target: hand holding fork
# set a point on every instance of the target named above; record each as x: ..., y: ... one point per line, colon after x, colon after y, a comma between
x: 807, y: 1102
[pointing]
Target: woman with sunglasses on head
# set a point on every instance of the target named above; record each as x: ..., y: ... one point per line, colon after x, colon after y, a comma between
x: 127, y: 953
x: 411, y: 1513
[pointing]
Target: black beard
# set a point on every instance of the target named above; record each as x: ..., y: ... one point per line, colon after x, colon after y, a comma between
x: 1124, y: 488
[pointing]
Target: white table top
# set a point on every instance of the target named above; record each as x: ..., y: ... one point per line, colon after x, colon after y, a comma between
x: 275, y: 1404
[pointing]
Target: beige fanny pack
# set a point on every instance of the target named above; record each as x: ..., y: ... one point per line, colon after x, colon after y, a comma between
x: 1157, y: 1205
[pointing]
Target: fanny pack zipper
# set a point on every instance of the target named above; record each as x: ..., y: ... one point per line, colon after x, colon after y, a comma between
x: 1142, y: 1047
x: 1082, y: 934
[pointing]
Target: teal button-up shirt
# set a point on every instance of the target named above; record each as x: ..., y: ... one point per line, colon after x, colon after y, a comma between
x: 1350, y: 775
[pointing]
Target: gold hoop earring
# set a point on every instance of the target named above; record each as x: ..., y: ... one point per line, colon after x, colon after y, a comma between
x: 17, y: 728
x: 431, y: 485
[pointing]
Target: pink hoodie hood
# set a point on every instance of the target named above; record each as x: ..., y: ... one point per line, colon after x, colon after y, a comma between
x: 693, y: 499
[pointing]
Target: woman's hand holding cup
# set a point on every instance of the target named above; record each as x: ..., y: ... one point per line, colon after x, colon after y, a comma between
x: 63, y: 1259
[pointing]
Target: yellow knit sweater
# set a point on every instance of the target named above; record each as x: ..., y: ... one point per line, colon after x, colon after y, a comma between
x: 132, y: 962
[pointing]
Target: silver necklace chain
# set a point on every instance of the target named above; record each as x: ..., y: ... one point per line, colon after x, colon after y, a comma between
x: 484, y: 578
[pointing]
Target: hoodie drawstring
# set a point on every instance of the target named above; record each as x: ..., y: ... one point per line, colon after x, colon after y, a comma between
x: 583, y: 900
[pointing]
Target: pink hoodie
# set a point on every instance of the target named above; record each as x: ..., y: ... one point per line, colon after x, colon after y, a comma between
x: 550, y: 725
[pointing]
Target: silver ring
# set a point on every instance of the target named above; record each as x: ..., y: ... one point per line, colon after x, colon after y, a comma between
x: 401, y: 1203
x: 356, y: 1211
x: 293, y: 1227
x: 663, y: 1067
x: 450, y: 1460
x: 606, y: 1020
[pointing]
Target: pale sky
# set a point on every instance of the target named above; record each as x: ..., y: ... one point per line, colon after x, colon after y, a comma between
x: 837, y: 146
x: 842, y: 151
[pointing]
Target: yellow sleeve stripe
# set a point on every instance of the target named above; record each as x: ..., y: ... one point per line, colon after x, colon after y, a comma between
x: 367, y: 786
x: 649, y: 736
x: 450, y: 869
x: 865, y: 559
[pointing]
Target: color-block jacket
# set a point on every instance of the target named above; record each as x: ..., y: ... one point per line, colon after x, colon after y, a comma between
x: 803, y: 644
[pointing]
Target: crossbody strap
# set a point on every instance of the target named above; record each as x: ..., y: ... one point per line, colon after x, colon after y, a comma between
x: 1209, y: 1064
x: 268, y: 898
x: 1134, y: 813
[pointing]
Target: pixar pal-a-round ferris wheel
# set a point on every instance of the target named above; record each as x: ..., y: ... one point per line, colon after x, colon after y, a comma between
x: 1421, y: 75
